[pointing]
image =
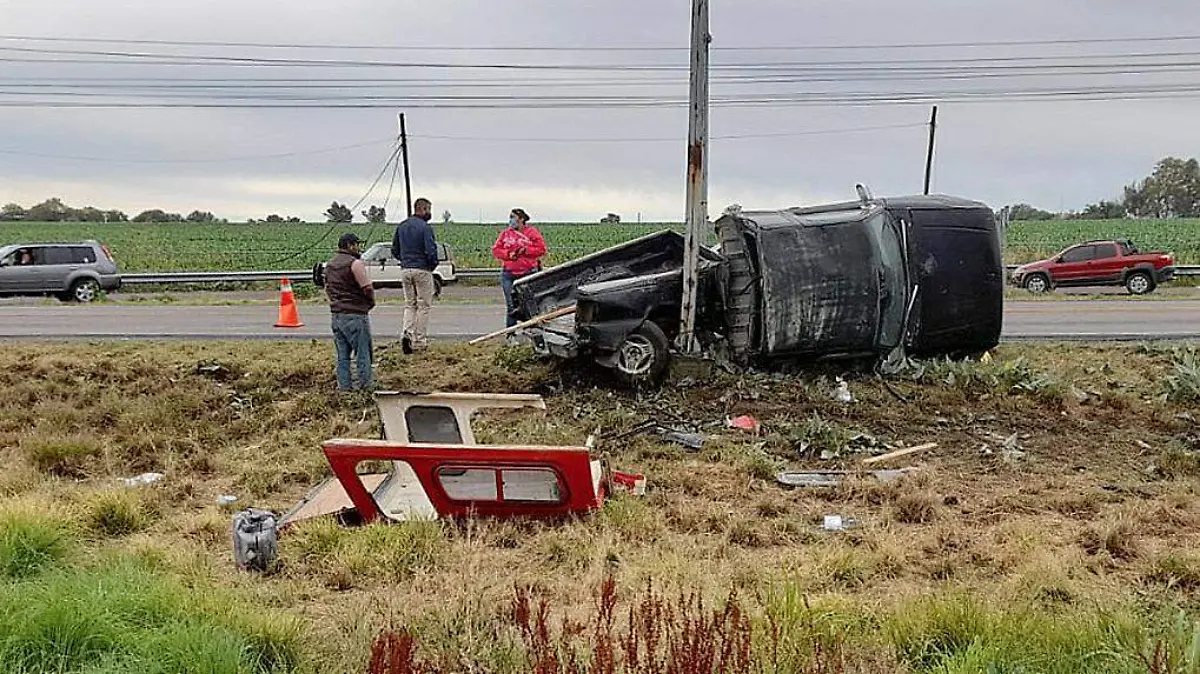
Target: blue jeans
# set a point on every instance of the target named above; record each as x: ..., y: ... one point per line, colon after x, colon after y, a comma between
x: 352, y: 337
x: 510, y: 302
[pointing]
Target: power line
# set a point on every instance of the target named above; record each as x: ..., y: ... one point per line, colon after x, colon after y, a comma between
x: 613, y: 48
x: 213, y: 160
x: 673, y: 139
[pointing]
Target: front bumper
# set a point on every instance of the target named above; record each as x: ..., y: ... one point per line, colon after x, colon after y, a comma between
x: 552, y: 343
x: 1165, y: 274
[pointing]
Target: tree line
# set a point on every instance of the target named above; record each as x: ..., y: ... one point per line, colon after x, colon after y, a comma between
x: 1171, y: 191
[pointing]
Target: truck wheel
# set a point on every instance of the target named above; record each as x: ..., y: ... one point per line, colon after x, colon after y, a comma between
x: 1037, y: 283
x: 1139, y: 283
x: 318, y: 274
x: 643, y: 356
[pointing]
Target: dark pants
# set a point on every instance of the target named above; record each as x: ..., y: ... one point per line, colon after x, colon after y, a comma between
x: 510, y: 302
x: 352, y: 337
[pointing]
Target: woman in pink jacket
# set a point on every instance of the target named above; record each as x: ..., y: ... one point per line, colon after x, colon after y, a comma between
x: 519, y: 248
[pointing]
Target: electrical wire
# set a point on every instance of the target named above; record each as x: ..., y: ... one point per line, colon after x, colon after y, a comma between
x: 212, y: 160
x: 613, y: 48
x: 333, y: 226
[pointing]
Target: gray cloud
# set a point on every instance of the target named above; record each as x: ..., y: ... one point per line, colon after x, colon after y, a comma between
x: 1055, y: 154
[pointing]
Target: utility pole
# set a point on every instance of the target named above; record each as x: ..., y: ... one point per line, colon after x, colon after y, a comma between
x: 697, y: 175
x: 404, y: 158
x: 929, y: 157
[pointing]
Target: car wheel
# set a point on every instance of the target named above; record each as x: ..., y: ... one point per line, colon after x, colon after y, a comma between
x: 644, y: 355
x: 1037, y: 283
x: 437, y: 286
x: 1139, y: 283
x: 84, y: 290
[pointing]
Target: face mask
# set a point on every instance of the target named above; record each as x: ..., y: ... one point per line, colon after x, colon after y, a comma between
x: 512, y: 222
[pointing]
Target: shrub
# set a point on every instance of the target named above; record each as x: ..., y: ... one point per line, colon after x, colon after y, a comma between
x: 29, y: 543
x: 63, y: 456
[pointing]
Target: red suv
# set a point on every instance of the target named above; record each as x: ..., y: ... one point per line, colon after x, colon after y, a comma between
x: 1098, y: 263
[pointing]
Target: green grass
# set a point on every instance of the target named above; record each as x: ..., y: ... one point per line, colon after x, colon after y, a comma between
x: 125, y: 617
x: 146, y: 247
x: 30, y: 542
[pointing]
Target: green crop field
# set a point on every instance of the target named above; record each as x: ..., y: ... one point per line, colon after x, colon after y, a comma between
x: 149, y: 247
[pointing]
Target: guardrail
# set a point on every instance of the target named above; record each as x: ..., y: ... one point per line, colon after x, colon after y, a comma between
x: 297, y: 276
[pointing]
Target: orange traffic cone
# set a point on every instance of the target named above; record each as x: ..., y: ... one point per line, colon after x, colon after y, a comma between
x: 288, y: 316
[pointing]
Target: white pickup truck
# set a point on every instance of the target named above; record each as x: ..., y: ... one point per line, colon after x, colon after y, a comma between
x: 384, y: 270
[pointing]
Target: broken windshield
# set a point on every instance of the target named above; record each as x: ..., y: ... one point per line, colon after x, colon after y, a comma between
x: 891, y: 278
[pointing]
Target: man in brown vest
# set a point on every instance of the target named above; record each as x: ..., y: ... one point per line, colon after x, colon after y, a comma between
x: 351, y: 298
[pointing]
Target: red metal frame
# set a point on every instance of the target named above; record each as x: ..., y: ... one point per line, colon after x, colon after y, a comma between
x: 572, y: 466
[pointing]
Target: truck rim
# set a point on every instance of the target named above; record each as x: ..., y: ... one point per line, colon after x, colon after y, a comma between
x: 636, y: 355
x: 1138, y: 284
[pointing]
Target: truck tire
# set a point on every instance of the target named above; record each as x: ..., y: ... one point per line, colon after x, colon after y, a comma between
x: 643, y: 356
x: 318, y: 274
x: 1139, y: 283
x: 1037, y: 283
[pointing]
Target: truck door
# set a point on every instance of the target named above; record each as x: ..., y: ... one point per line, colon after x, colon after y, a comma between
x: 1106, y: 265
x: 1073, y: 266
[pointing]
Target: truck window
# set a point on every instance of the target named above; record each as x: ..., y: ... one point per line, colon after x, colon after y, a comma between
x: 1106, y: 250
x: 1078, y: 254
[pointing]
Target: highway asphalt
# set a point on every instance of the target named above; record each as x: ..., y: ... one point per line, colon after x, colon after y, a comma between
x: 1040, y: 320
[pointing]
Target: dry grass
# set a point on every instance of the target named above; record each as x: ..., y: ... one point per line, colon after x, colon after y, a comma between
x: 1036, y: 496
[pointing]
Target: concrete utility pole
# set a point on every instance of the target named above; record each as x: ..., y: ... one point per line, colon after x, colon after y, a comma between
x: 697, y: 175
x: 929, y: 157
x: 404, y: 156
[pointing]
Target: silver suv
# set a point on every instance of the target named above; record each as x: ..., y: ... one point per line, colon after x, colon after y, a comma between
x: 72, y: 272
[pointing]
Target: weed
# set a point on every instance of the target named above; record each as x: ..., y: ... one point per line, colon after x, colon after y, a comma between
x: 997, y: 377
x: 30, y: 542
x: 916, y: 507
x: 1182, y: 384
x: 1177, y: 570
x: 119, y: 513
x: 61, y: 456
x: 817, y: 435
x: 390, y: 552
x: 1116, y: 538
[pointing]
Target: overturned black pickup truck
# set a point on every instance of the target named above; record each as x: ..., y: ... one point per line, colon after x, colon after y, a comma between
x: 874, y: 278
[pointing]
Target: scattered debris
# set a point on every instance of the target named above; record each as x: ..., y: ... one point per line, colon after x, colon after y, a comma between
x: 688, y: 440
x: 255, y: 540
x: 832, y: 478
x: 214, y: 370
x: 1143, y: 444
x: 143, y: 479
x: 1011, y: 451
x: 900, y: 452
x: 842, y: 393
x: 226, y: 499
x: 745, y: 422
x: 838, y: 523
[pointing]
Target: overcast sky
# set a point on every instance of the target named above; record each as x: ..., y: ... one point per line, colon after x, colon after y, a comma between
x: 1055, y: 154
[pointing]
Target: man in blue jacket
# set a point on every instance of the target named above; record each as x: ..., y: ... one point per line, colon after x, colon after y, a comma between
x: 414, y: 246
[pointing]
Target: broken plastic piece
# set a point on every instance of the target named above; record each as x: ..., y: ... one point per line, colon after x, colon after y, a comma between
x: 255, y: 540
x: 226, y: 499
x: 838, y: 523
x: 746, y: 422
x: 143, y: 479
x: 842, y: 393
x: 689, y: 440
x: 629, y: 483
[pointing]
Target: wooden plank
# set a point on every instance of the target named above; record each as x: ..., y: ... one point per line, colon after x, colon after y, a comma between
x: 536, y: 320
x: 900, y: 452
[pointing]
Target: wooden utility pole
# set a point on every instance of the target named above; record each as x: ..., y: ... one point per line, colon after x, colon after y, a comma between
x: 404, y: 158
x: 929, y: 157
x: 697, y: 175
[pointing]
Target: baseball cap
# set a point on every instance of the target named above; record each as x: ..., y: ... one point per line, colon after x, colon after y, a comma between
x: 348, y: 239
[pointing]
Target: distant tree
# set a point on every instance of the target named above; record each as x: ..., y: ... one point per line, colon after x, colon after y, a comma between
x: 339, y: 213
x: 157, y: 215
x: 1172, y: 191
x: 200, y: 216
x: 274, y: 218
x: 87, y: 214
x: 50, y: 210
x: 294, y: 220
x: 12, y: 212
x: 375, y: 215
x: 1102, y: 210
x: 447, y: 218
x: 115, y: 216
x: 1027, y: 212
